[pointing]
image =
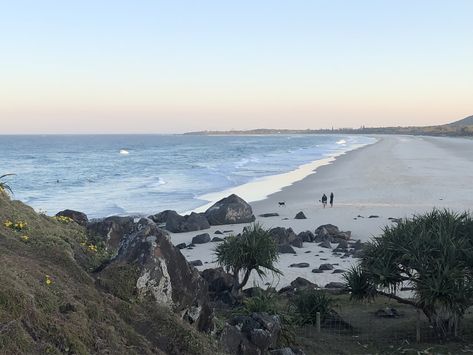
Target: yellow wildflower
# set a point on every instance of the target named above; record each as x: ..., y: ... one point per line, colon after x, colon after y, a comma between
x: 24, y: 238
x: 48, y: 280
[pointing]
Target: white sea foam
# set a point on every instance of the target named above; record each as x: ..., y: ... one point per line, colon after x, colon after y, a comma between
x: 124, y: 152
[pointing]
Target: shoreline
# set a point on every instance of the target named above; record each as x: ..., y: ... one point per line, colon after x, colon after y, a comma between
x: 262, y: 188
x: 395, y: 178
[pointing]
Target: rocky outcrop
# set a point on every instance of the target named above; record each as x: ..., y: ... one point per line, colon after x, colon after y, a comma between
x: 220, y: 285
x: 286, y: 249
x: 306, y: 236
x: 331, y: 233
x: 282, y: 235
x: 300, y: 215
x: 112, y: 230
x: 78, y: 217
x: 255, y: 334
x: 201, y: 238
x: 176, y: 223
x: 230, y: 210
x: 149, y: 268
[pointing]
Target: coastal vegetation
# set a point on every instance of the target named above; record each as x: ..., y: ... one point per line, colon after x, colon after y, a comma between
x: 432, y: 255
x: 50, y: 302
x: 254, y: 250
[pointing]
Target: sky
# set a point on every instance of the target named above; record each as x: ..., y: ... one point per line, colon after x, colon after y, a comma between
x: 100, y: 66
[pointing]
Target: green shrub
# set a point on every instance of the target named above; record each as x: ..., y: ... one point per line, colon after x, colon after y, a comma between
x: 265, y: 302
x: 307, y: 303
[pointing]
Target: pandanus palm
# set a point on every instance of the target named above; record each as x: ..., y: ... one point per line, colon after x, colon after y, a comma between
x: 254, y: 250
x: 432, y: 254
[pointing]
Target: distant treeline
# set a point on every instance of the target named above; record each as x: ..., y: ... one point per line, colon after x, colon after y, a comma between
x: 444, y: 130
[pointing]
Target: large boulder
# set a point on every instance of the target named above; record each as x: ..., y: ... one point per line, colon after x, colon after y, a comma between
x: 300, y: 215
x: 176, y: 223
x: 161, y: 217
x: 112, y: 231
x: 286, y: 249
x: 230, y: 210
x: 148, y: 268
x: 282, y: 235
x: 329, y: 228
x: 201, y: 238
x: 79, y: 217
x: 306, y: 236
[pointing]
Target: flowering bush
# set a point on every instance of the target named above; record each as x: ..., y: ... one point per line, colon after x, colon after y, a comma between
x: 63, y: 219
x: 17, y: 226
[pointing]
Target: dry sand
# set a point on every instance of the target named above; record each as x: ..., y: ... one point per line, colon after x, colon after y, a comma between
x: 396, y: 177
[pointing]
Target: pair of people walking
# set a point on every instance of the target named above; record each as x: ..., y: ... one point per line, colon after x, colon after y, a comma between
x: 324, y: 200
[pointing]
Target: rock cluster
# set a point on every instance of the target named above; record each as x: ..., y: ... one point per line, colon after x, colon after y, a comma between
x: 230, y: 210
x: 255, y: 334
x: 148, y: 267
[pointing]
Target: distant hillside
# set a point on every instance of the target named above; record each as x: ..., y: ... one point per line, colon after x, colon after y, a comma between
x: 467, y: 121
x: 461, y: 128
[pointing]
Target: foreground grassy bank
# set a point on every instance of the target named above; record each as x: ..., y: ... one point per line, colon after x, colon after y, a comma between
x: 49, y: 302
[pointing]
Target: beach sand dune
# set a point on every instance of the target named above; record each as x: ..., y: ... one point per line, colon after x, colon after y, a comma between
x: 394, y: 178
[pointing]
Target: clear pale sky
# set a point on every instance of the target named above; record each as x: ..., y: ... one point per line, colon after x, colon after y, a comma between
x: 171, y: 66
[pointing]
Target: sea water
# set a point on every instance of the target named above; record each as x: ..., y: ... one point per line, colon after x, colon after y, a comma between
x: 103, y: 175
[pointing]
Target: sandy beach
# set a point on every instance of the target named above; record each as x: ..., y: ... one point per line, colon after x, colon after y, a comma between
x: 396, y: 177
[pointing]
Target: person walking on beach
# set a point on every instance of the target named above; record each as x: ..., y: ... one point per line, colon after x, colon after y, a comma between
x: 324, y: 200
x: 331, y: 199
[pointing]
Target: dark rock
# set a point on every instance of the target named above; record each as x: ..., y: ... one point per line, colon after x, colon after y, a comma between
x: 308, y: 251
x: 317, y: 271
x: 326, y: 267
x: 286, y: 249
x: 161, y: 217
x: 176, y: 223
x: 217, y: 239
x: 337, y: 238
x: 265, y: 215
x: 358, y: 254
x: 253, y: 291
x: 230, y: 210
x: 253, y: 334
x: 343, y: 244
x: 297, y: 243
x: 218, y: 232
x: 329, y: 228
x: 261, y: 338
x: 228, y: 231
x: 306, y: 236
x: 387, y: 312
x: 158, y: 272
x: 282, y: 235
x: 337, y: 285
x: 300, y: 265
x: 201, y: 238
x: 286, y: 289
x: 112, y: 231
x: 373, y: 216
x: 358, y: 245
x: 300, y: 215
x: 78, y: 217
x: 181, y: 246
x: 196, y: 263
x: 325, y: 244
x: 218, y: 280
x: 338, y: 271
x: 301, y: 283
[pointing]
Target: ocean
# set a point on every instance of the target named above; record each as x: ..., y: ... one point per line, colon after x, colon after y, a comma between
x: 104, y: 175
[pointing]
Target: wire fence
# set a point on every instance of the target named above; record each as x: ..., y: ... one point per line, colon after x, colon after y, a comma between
x: 387, y: 326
